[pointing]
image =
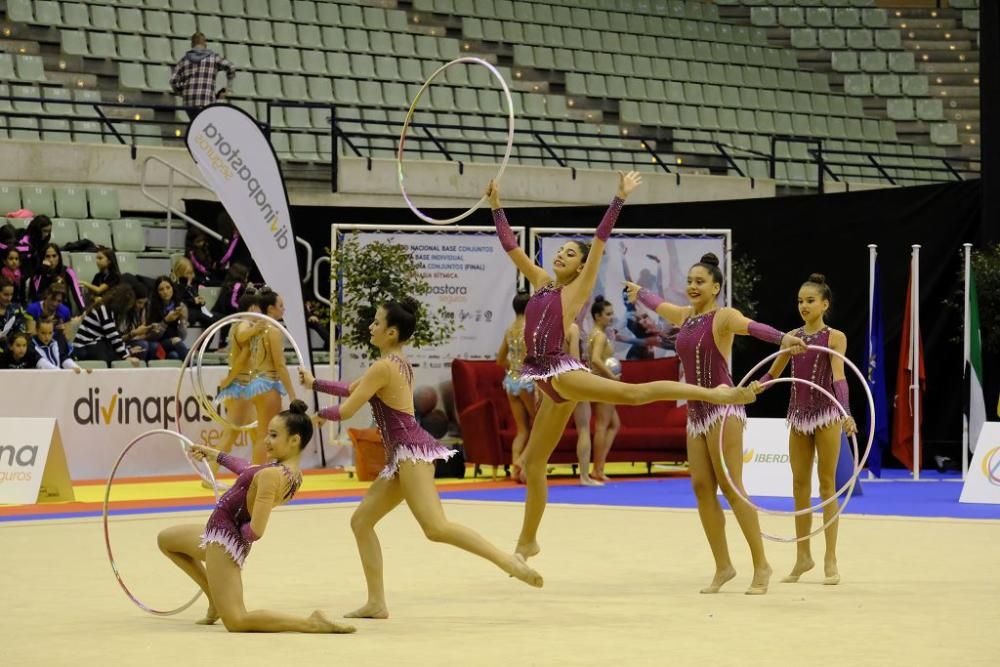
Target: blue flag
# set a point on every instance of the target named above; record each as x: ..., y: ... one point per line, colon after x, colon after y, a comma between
x: 876, y: 377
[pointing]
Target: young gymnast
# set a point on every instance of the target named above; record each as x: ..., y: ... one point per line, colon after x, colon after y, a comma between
x: 582, y: 414
x: 563, y: 379
x: 704, y: 345
x: 520, y: 391
x: 410, y: 453
x: 815, y: 422
x: 599, y: 353
x: 213, y: 556
x: 263, y: 378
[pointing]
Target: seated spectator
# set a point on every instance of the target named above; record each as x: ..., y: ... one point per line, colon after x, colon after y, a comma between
x: 12, y: 271
x: 20, y: 355
x: 53, y: 351
x: 51, y: 306
x: 108, y: 274
x: 140, y: 334
x: 12, y: 317
x: 198, y: 249
x: 185, y: 279
x: 233, y: 285
x: 168, y: 310
x: 52, y: 271
x: 232, y: 251
x: 33, y: 244
x: 319, y: 321
x: 99, y: 337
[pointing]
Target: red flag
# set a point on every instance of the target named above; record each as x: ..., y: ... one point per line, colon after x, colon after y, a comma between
x: 902, y: 416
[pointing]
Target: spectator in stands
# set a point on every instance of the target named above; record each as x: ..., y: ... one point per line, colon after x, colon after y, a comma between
x: 32, y: 246
x: 141, y: 334
x: 52, y: 271
x: 235, y: 250
x: 50, y: 306
x: 53, y: 351
x: 236, y: 280
x: 193, y: 77
x: 20, y: 354
x: 12, y: 271
x: 12, y: 318
x: 186, y: 281
x: 99, y: 338
x: 168, y: 309
x: 198, y: 249
x: 108, y: 274
x: 319, y: 321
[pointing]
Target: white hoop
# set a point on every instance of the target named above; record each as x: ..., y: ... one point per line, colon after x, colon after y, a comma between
x: 199, y: 384
x: 859, y: 465
x: 409, y: 117
x: 186, y: 445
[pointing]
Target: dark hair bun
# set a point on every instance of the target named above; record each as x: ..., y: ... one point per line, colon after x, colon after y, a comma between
x: 600, y: 299
x: 710, y: 259
x: 410, y: 305
x: 817, y: 278
x: 298, y: 407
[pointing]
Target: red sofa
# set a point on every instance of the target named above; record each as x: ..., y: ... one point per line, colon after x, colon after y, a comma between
x: 654, y: 432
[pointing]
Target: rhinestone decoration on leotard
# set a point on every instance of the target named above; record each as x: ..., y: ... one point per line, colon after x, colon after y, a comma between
x: 704, y: 366
x: 809, y: 410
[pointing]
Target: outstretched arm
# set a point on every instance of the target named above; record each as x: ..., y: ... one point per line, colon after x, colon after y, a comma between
x: 668, y: 311
x: 376, y: 377
x: 535, y: 274
x: 584, y: 285
x: 736, y: 323
x: 309, y: 381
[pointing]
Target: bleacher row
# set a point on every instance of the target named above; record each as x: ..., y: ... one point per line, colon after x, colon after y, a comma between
x: 662, y: 68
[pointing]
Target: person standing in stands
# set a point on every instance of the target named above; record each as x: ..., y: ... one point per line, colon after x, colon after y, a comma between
x: 193, y: 77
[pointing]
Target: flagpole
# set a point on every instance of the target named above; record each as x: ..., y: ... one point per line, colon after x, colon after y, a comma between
x: 915, y: 356
x: 966, y: 353
x: 872, y: 257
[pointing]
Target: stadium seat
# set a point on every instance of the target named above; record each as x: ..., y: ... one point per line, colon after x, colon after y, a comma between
x: 103, y: 205
x: 129, y: 235
x: 38, y: 199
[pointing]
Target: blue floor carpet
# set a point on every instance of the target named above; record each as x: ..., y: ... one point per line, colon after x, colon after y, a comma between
x: 933, y: 498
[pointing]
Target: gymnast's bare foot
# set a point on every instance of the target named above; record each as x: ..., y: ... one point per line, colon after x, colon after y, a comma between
x: 832, y: 574
x: 518, y: 568
x: 590, y: 481
x: 802, y: 565
x: 324, y: 625
x: 527, y: 549
x: 211, y: 616
x: 721, y: 577
x: 370, y: 610
x: 761, y: 578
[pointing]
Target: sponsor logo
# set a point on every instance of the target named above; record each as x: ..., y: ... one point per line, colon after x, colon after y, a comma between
x: 14, y: 457
x: 991, y: 466
x: 227, y: 162
x: 749, y: 456
x: 120, y: 409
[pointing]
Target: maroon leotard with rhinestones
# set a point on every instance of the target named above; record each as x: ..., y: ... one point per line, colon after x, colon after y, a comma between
x: 231, y: 513
x: 809, y: 410
x: 402, y: 437
x: 545, y: 339
x: 704, y: 366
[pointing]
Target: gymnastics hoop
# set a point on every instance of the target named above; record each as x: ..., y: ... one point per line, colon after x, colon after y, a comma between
x: 848, y: 486
x: 199, y: 382
x: 406, y: 126
x: 186, y: 445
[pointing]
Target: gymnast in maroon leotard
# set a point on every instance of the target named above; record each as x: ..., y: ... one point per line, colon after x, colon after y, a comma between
x: 703, y: 345
x: 410, y: 452
x: 564, y: 380
x: 213, y: 556
x: 816, y: 423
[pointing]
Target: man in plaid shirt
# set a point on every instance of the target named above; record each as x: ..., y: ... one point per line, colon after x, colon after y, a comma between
x: 193, y: 77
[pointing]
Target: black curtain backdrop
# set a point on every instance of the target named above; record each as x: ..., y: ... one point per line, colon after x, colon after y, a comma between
x: 791, y: 237
x: 989, y: 107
